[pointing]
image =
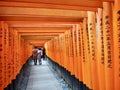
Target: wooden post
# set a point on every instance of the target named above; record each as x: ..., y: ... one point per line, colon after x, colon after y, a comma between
x: 108, y: 45
x: 92, y: 41
x: 100, y: 51
x: 116, y: 32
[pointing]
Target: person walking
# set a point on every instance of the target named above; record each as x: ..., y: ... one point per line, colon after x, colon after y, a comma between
x: 34, y: 52
x: 44, y: 53
x: 39, y: 56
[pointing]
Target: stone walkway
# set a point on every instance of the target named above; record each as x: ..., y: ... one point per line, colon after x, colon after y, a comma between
x: 42, y: 78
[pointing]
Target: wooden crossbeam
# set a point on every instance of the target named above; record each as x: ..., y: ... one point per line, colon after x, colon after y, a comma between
x: 42, y: 33
x: 56, y: 4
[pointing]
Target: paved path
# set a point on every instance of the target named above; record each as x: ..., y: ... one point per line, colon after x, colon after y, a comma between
x: 42, y: 78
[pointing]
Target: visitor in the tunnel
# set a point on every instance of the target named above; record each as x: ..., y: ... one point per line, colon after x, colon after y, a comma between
x: 44, y: 53
x: 39, y: 55
x: 35, y: 50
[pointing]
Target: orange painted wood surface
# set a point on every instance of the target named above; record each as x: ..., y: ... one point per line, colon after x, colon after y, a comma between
x: 108, y: 45
x: 92, y: 41
x: 100, y: 50
x: 116, y: 38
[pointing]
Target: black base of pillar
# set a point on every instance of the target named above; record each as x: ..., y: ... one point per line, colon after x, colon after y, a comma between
x: 71, y: 80
x: 21, y: 78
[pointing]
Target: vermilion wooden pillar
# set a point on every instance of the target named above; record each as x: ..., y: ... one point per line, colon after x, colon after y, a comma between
x: 75, y: 54
x: 116, y: 38
x: 79, y: 52
x: 100, y: 50
x: 6, y: 54
x: 16, y: 53
x: 11, y: 53
x: 93, y: 54
x: 67, y: 50
x: 87, y: 60
x: 83, y: 54
x: 71, y: 52
x: 1, y: 56
x: 108, y: 45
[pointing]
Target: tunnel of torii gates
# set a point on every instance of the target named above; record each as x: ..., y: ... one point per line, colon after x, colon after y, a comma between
x: 83, y: 36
